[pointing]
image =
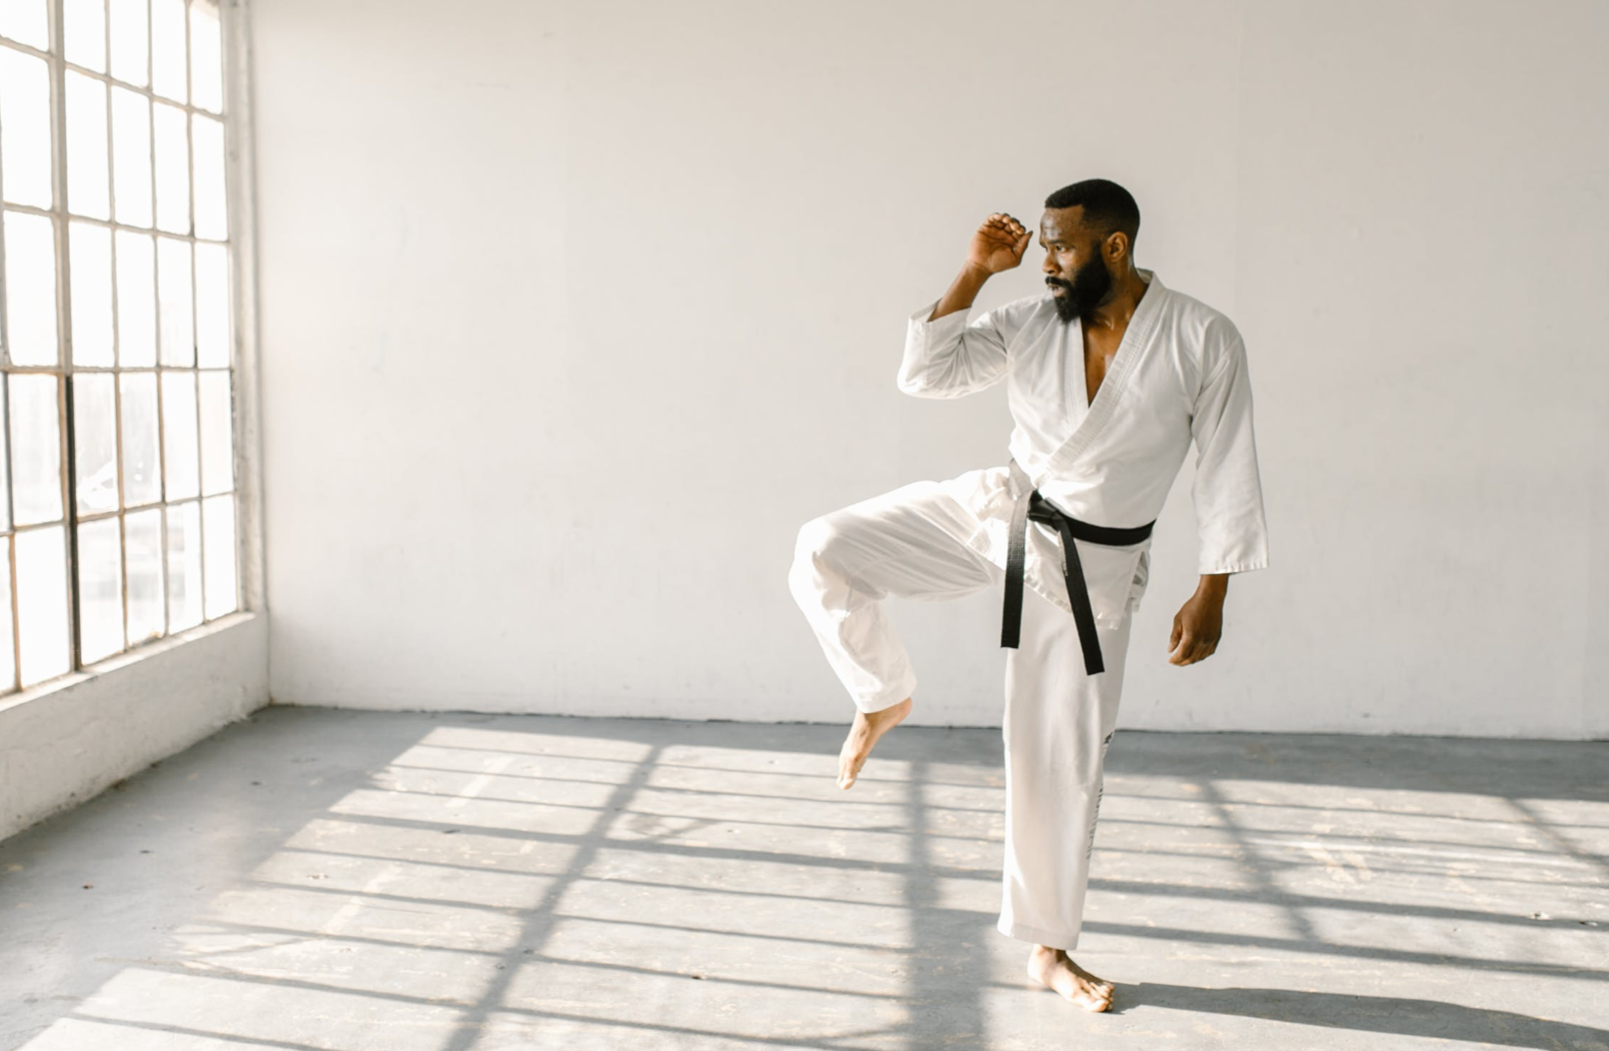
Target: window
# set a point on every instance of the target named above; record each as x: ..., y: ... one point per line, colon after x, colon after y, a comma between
x: 116, y: 456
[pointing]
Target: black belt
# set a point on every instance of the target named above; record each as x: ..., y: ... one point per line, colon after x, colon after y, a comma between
x: 1031, y: 505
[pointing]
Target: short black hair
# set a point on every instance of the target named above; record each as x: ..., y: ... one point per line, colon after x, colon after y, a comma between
x: 1107, y: 206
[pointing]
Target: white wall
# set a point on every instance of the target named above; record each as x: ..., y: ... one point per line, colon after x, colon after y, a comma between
x: 573, y: 312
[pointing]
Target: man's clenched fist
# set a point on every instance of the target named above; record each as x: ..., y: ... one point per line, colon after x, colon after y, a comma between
x: 998, y: 245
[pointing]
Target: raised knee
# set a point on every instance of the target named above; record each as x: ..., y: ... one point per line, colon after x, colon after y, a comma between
x: 815, y: 537
x: 811, y: 551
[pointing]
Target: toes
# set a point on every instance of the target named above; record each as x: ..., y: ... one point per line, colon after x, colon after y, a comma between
x: 1092, y: 996
x: 850, y: 760
x: 1093, y: 1000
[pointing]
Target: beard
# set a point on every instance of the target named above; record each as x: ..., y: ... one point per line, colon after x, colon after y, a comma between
x: 1084, y: 292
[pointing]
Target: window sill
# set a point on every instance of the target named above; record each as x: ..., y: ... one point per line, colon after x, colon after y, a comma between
x: 143, y: 651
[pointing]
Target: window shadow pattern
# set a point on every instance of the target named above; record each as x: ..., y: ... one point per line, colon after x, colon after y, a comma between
x: 458, y: 882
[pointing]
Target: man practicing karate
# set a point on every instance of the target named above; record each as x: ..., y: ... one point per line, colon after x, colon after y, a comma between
x: 1110, y: 376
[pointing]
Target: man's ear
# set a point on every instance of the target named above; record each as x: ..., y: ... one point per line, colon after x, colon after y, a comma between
x: 1116, y: 247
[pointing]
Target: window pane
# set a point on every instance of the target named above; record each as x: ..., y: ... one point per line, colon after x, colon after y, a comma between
x: 206, y: 56
x: 42, y: 603
x: 8, y: 649
x: 90, y: 249
x: 25, y: 128
x: 219, y: 531
x: 129, y: 58
x: 179, y: 451
x: 212, y: 305
x: 172, y: 170
x: 86, y: 33
x: 25, y: 21
x: 95, y: 441
x: 31, y: 288
x: 131, y: 157
x: 212, y: 218
x: 87, y: 166
x: 174, y: 310
x: 217, y: 445
x: 136, y: 299
x: 142, y: 477
x: 168, y: 74
x: 142, y: 540
x: 184, y: 566
x: 100, y: 589
x: 36, y: 474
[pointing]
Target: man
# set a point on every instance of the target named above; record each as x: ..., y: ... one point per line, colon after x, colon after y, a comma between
x: 1110, y: 376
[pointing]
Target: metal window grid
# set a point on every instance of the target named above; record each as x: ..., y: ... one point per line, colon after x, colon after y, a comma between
x: 61, y: 217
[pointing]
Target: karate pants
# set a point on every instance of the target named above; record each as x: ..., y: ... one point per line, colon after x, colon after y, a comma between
x: 1057, y: 722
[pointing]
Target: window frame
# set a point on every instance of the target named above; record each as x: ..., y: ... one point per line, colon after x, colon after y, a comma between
x: 233, y: 116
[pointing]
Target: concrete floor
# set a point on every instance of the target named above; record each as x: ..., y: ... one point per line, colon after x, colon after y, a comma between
x: 314, y: 878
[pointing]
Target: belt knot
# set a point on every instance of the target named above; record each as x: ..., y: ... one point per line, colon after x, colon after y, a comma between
x: 1029, y: 504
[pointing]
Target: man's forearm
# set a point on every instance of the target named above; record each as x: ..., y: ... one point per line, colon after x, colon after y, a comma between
x: 1215, y: 585
x: 963, y: 290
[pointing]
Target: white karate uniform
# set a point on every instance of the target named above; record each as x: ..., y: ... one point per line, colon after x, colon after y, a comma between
x: 1179, y: 375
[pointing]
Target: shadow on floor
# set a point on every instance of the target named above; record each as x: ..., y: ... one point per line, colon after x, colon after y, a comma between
x: 1368, y: 1014
x: 557, y: 881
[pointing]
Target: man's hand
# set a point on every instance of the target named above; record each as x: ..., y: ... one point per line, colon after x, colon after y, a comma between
x: 998, y: 244
x: 1199, y: 623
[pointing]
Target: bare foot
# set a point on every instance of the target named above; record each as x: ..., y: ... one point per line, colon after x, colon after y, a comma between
x: 1053, y: 967
x: 863, y: 734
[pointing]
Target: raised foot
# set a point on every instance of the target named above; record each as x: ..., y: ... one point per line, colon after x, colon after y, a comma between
x: 1055, y: 969
x: 863, y: 734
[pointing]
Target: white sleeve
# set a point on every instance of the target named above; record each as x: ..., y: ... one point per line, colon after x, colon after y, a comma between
x: 950, y: 357
x: 1227, y: 490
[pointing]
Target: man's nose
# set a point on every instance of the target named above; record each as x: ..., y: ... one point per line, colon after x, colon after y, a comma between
x: 1049, y: 265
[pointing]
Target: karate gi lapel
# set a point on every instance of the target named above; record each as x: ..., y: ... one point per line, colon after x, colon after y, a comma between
x: 1112, y: 389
